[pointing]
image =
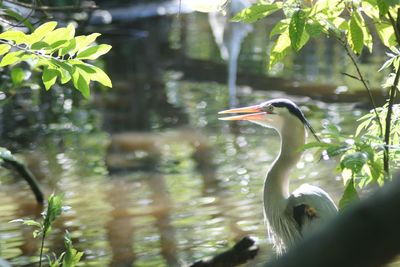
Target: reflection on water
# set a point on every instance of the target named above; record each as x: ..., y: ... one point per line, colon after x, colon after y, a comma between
x: 168, y: 183
x: 203, y: 193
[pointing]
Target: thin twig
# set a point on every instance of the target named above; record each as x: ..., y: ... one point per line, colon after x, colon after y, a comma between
x: 351, y: 76
x: 364, y: 82
x: 27, y: 50
x: 41, y: 249
x: 53, y: 8
x: 360, y: 75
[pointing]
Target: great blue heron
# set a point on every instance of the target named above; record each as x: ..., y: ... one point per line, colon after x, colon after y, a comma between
x: 289, y: 216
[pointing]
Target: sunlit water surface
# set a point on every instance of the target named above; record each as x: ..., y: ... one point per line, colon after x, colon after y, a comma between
x: 204, y: 192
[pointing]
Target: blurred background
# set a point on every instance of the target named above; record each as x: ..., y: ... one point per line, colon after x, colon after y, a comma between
x: 151, y: 176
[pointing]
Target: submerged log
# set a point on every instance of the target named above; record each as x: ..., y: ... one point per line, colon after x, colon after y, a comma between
x: 240, y: 253
x: 24, y: 172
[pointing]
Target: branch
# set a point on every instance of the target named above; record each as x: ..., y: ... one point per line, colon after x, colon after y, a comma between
x: 240, y: 253
x: 351, y: 76
x: 27, y: 50
x: 366, y: 234
x: 364, y: 82
x: 90, y: 6
x: 393, y: 90
x: 28, y: 176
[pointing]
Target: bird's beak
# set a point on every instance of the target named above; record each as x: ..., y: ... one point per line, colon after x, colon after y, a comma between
x: 256, y: 113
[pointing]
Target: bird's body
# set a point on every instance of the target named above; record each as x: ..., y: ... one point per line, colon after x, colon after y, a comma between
x: 289, y: 216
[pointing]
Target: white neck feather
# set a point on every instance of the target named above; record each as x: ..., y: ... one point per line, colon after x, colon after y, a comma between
x: 276, y: 186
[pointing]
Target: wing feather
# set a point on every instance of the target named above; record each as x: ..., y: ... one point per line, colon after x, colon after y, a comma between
x: 310, y: 207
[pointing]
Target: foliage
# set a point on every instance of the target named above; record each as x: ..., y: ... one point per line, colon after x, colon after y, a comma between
x: 57, y: 53
x: 366, y: 156
x: 71, y: 256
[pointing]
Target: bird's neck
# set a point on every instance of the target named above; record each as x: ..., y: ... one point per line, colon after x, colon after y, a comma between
x: 277, y: 182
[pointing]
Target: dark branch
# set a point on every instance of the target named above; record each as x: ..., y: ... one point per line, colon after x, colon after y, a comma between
x: 240, y: 253
x: 28, y: 176
x: 90, y: 6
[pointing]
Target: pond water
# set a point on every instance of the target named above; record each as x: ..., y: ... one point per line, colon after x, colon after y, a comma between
x: 151, y: 176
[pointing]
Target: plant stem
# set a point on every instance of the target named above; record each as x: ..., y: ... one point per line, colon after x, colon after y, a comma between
x: 392, y: 96
x: 365, y: 84
x: 41, y: 250
x: 27, y: 50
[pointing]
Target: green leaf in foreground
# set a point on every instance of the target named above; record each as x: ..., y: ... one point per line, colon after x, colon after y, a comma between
x: 17, y: 75
x: 349, y: 196
x: 296, y: 29
x: 256, y: 12
x: 80, y: 82
x: 11, y: 58
x: 4, y: 48
x: 280, y: 49
x: 94, y: 52
x: 71, y: 256
x: 355, y: 35
x: 43, y: 30
x: 101, y: 77
x: 54, y: 209
x: 49, y: 77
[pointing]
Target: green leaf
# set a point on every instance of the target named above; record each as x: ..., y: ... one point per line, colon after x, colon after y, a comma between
x: 280, y: 49
x: 94, y: 52
x: 349, y: 196
x: 314, y: 29
x: 368, y: 42
x: 32, y: 223
x: 256, y: 12
x: 386, y: 34
x: 11, y: 58
x: 81, y: 83
x: 101, y: 77
x: 355, y: 35
x: 354, y: 161
x: 19, y: 18
x: 49, y: 77
x: 60, y: 34
x: 383, y: 7
x: 336, y: 150
x: 16, y: 36
x: 39, y: 45
x: 43, y: 30
x: 65, y: 70
x: 17, y: 76
x: 296, y: 29
x: 370, y: 8
x: 279, y: 28
x: 54, y: 209
x: 69, y: 47
x: 4, y: 48
x: 72, y: 256
x: 83, y: 41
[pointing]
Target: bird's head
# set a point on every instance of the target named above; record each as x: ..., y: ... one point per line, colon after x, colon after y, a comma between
x: 275, y: 113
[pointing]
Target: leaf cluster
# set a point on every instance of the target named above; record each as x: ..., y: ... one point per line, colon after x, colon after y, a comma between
x: 71, y: 256
x: 344, y: 20
x: 57, y: 53
x: 360, y: 159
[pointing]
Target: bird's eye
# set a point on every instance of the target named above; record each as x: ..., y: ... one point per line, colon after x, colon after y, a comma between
x: 269, y: 108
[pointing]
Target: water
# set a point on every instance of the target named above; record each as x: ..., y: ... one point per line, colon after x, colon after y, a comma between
x: 151, y: 176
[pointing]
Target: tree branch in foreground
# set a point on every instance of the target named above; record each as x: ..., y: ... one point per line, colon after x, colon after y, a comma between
x: 240, y: 253
x: 366, y: 234
x: 28, y: 176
